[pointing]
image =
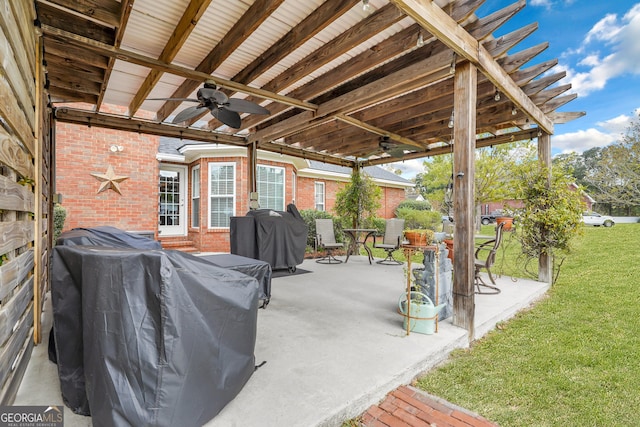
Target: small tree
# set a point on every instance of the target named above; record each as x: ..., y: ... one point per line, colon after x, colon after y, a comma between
x: 358, y: 201
x: 551, y: 215
x: 59, y: 216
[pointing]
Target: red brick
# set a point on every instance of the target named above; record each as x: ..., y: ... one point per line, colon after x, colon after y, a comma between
x: 433, y: 403
x: 375, y: 411
x: 388, y: 404
x: 392, y: 421
x: 422, y: 406
x: 410, y: 419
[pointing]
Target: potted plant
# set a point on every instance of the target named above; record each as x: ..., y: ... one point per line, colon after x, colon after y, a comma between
x: 506, y: 220
x: 418, y: 236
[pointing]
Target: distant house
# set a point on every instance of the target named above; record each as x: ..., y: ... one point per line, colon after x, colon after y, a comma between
x: 185, y: 192
x: 487, y: 208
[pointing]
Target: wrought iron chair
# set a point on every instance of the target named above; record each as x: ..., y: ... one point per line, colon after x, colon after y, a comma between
x: 487, y: 262
x: 391, y: 241
x: 326, y: 239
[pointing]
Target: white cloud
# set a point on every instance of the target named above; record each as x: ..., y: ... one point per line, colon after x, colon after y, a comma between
x: 621, y: 34
x: 547, y: 4
x: 606, y: 29
x: 409, y: 168
x: 543, y: 3
x: 590, y: 60
x: 582, y: 140
x: 617, y: 125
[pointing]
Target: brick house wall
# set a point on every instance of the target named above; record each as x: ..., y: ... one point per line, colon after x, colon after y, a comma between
x: 391, y: 196
x: 307, y: 191
x: 82, y: 150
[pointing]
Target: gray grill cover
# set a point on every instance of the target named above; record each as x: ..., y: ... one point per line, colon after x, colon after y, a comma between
x: 106, y: 236
x: 150, y: 337
x: 277, y: 237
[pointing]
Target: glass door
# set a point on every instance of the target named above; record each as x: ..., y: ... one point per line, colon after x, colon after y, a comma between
x: 172, y: 215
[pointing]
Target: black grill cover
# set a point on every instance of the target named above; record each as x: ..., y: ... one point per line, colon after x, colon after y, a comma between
x: 150, y: 337
x: 106, y: 236
x: 277, y: 237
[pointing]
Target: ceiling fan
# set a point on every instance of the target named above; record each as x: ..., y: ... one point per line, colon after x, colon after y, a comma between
x: 220, y: 106
x: 392, y: 148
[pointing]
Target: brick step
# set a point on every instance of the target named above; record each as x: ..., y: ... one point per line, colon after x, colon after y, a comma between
x: 179, y: 245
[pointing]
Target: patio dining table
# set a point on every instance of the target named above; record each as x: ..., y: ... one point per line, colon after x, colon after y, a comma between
x: 358, y: 237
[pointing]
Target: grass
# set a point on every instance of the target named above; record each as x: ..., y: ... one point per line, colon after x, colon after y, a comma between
x: 573, y: 359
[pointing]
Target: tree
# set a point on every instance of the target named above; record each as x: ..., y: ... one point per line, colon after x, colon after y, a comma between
x: 359, y: 200
x: 551, y: 215
x: 493, y: 174
x: 616, y: 173
x: 494, y: 170
x: 432, y: 184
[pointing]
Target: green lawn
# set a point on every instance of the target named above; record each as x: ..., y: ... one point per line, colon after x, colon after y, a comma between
x: 572, y: 360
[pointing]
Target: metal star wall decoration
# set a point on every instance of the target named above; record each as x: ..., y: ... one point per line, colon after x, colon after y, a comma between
x: 109, y: 180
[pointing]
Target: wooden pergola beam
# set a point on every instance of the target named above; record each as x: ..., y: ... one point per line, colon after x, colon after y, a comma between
x: 437, y: 22
x: 246, y: 25
x: 145, y: 61
x: 178, y: 37
x: 109, y: 121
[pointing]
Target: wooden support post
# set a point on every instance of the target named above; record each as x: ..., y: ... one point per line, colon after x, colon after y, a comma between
x: 252, y: 155
x: 40, y: 245
x: 545, y: 262
x: 464, y: 137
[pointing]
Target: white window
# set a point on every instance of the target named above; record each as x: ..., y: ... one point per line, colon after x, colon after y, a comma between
x: 319, y: 196
x: 222, y: 194
x: 270, y: 183
x: 195, y: 197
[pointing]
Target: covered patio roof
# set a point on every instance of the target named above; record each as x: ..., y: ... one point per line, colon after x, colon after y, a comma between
x: 346, y: 82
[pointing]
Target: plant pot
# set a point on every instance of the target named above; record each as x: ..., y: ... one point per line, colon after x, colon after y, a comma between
x: 416, y: 238
x: 449, y: 243
x: 507, y: 221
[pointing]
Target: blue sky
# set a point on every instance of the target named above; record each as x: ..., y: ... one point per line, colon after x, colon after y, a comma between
x: 598, y: 44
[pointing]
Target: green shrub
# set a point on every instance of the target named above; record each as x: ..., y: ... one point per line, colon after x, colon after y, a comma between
x: 310, y: 216
x: 379, y: 224
x: 413, y: 218
x: 59, y: 216
x: 418, y: 205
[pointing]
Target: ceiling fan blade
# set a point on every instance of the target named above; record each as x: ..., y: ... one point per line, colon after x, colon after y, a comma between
x: 188, y: 113
x: 397, y: 152
x: 210, y: 93
x: 244, y: 106
x: 228, y: 117
x: 172, y: 99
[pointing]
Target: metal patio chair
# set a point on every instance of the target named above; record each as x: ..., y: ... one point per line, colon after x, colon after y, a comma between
x: 326, y: 239
x: 486, y: 263
x: 392, y: 240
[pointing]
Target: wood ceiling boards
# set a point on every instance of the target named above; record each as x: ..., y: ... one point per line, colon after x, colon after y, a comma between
x: 334, y: 77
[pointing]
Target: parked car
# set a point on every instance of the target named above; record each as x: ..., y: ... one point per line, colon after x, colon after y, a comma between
x: 490, y: 218
x: 595, y: 219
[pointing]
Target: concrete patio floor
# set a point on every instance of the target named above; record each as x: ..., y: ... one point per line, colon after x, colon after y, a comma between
x: 333, y: 343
